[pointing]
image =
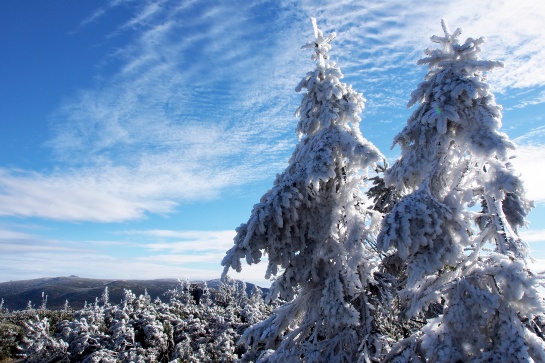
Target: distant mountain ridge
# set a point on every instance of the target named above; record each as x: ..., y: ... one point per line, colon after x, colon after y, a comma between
x: 78, y: 290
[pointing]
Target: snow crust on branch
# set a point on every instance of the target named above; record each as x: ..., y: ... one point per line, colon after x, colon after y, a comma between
x: 453, y: 159
x: 315, y: 227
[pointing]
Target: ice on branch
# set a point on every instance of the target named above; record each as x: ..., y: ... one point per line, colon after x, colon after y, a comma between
x: 316, y: 230
x: 475, y: 303
x: 320, y: 45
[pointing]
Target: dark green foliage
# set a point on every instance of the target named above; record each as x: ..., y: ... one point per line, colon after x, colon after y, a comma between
x: 10, y: 335
x: 384, y: 197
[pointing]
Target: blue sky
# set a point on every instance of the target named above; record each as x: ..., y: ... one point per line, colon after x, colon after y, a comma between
x: 137, y: 134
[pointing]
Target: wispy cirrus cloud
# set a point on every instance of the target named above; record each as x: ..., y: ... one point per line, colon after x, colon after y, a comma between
x: 532, y: 137
x: 377, y: 38
x: 182, y: 118
x: 185, y: 241
x: 198, y: 96
x: 98, y: 194
x: 540, y: 98
x: 99, y: 13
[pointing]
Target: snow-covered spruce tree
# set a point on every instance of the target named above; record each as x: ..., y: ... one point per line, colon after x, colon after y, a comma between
x: 314, y: 227
x: 453, y: 160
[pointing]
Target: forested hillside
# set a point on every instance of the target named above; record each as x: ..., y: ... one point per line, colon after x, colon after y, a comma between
x: 54, y: 292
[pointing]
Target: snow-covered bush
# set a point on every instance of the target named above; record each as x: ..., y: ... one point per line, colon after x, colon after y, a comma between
x: 14, y: 323
x: 40, y: 346
x: 139, y: 330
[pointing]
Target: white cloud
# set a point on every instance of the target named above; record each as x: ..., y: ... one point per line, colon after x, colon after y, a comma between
x: 145, y: 15
x: 540, y: 98
x: 389, y: 35
x: 533, y: 235
x: 538, y: 266
x: 529, y: 163
x: 10, y: 249
x: 190, y: 235
x: 186, y: 241
x: 92, y: 195
x: 6, y: 234
x: 202, y: 99
x: 99, y: 13
x: 182, y: 119
x: 532, y: 137
x: 205, y: 247
x: 180, y: 259
x: 27, y: 256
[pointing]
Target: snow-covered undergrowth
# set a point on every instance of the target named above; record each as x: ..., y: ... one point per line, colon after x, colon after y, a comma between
x: 182, y: 329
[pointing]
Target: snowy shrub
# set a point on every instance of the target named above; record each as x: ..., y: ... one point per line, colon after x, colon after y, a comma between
x: 13, y: 325
x: 139, y: 330
x: 40, y: 346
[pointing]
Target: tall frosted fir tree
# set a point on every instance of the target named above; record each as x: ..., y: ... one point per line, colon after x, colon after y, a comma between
x: 316, y: 230
x: 460, y: 194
